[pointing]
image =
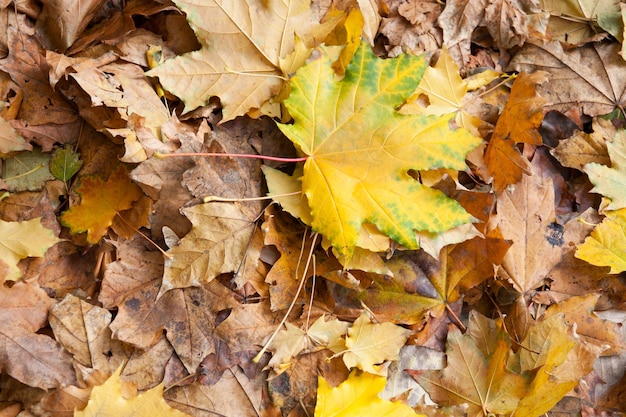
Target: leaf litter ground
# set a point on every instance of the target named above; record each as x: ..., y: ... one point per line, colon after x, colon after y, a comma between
x: 168, y: 297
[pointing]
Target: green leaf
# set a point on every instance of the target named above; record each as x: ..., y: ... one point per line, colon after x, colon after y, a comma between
x: 611, y: 182
x: 361, y: 150
x: 65, y: 163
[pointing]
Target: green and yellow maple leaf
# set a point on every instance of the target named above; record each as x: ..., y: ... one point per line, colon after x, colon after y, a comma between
x: 20, y: 240
x: 100, y: 202
x: 358, y: 396
x: 106, y: 400
x: 360, y: 150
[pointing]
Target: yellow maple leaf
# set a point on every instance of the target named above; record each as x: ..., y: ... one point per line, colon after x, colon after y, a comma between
x: 20, y: 240
x: 446, y: 92
x: 106, y: 400
x: 100, y: 202
x: 361, y: 149
x: 369, y: 344
x: 358, y: 397
x: 606, y: 246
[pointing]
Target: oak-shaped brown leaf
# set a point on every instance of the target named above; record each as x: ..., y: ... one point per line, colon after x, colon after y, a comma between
x: 107, y: 400
x: 100, y: 202
x: 591, y: 78
x: 33, y: 359
x: 519, y: 122
x: 582, y: 148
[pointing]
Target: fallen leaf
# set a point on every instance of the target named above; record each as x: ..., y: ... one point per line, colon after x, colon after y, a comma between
x: 518, y: 122
x: 525, y: 216
x: 65, y: 163
x: 358, y: 396
x: 221, y: 239
x: 341, y: 187
x: 107, y: 400
x: 33, y: 359
x: 576, y: 22
x: 445, y: 91
x: 61, y: 21
x: 10, y: 140
x: 590, y: 78
x: 27, y: 171
x: 606, y: 246
x: 582, y: 148
x: 369, y: 345
x: 100, y: 202
x: 19, y: 240
x: 243, y: 44
x: 607, y: 181
x: 475, y: 377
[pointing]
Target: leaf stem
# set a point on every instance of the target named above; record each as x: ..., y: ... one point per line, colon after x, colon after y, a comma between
x: 231, y: 155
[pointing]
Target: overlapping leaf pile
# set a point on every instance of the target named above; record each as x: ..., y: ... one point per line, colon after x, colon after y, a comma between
x: 446, y: 235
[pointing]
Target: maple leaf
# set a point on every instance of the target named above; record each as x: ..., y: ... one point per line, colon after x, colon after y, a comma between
x: 100, y: 202
x: 611, y: 182
x: 519, y: 122
x: 368, y: 344
x: 606, y: 246
x: 582, y: 148
x: 577, y: 22
x: 358, y: 396
x: 590, y: 78
x: 446, y: 91
x: 107, y: 400
x: 222, y: 237
x: 246, y: 44
x: 19, y: 240
x: 360, y: 150
x: 476, y: 374
x: 291, y: 342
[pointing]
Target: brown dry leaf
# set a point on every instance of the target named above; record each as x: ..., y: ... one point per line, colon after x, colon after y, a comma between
x: 163, y: 177
x: 525, y: 216
x: 591, y: 328
x: 10, y: 140
x: 222, y: 238
x: 412, y: 26
x: 183, y: 313
x: 290, y: 239
x: 136, y: 265
x: 26, y: 63
x: 125, y: 88
x: 476, y: 376
x: 83, y: 330
x: 519, y: 122
x: 61, y: 21
x: 582, y: 148
x: 591, y: 78
x: 236, y: 394
x: 33, y: 359
x: 505, y: 21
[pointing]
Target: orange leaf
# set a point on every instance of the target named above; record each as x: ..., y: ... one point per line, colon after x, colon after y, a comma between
x: 100, y: 202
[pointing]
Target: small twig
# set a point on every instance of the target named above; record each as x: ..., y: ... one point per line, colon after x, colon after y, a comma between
x: 230, y: 155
